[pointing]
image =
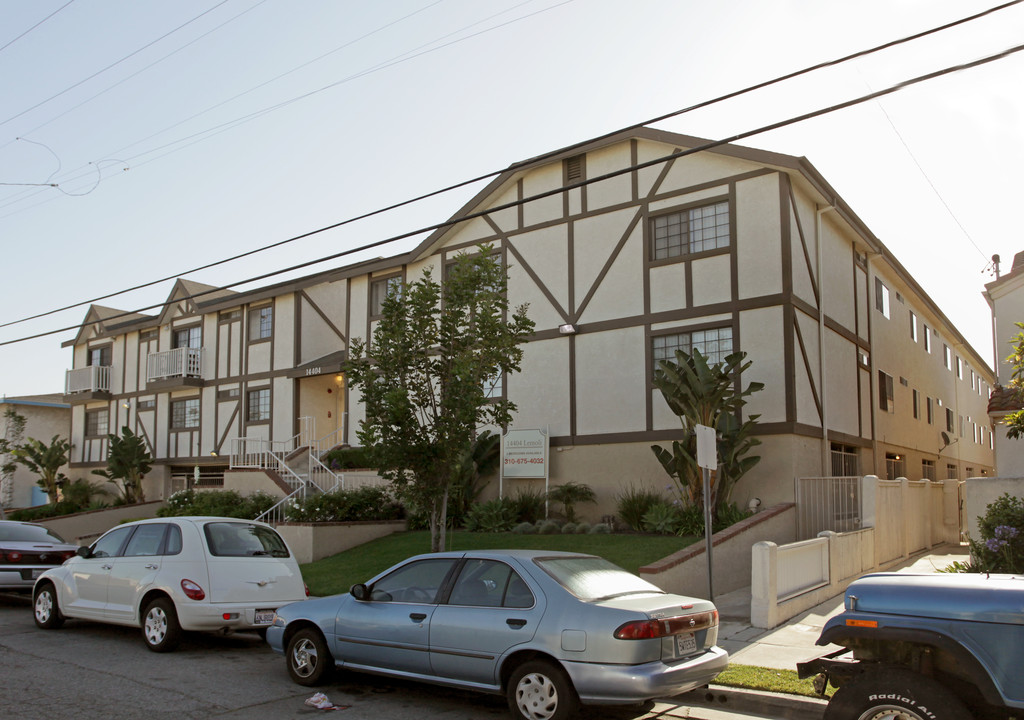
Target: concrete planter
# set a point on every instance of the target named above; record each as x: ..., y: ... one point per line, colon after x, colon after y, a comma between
x: 314, y: 541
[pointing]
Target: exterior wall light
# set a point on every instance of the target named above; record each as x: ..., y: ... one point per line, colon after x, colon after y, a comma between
x: 567, y: 329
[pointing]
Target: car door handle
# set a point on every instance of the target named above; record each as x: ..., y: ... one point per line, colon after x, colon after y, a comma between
x: 417, y: 617
x: 107, y: 567
x: 152, y: 566
x: 515, y: 622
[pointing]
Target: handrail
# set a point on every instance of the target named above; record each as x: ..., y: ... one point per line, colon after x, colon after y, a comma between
x: 278, y: 513
x: 91, y: 378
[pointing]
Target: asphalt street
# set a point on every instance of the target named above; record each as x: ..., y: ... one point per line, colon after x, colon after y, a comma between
x: 88, y: 670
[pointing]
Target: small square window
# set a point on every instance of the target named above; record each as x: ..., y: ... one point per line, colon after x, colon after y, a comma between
x: 97, y: 422
x: 185, y: 414
x: 690, y: 231
x: 258, y: 405
x: 714, y: 343
x: 261, y: 323
x: 380, y: 290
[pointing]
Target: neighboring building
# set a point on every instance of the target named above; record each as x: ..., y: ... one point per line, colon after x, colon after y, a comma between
x: 728, y: 249
x: 1005, y: 296
x: 45, y: 416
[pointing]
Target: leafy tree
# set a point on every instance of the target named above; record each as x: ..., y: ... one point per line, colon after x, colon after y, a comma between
x: 478, y: 462
x: 46, y: 461
x: 128, y: 461
x: 1015, y: 420
x: 14, y: 430
x: 569, y: 494
x: 710, y: 395
x: 425, y: 372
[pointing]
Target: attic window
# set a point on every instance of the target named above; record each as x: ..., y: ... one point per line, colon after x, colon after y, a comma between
x: 574, y: 169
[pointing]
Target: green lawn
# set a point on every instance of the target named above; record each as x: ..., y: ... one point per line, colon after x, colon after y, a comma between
x: 336, y: 574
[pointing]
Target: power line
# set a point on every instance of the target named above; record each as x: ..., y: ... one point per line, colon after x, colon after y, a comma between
x: 181, y: 143
x: 36, y: 25
x: 480, y: 178
x: 549, y: 193
x: 114, y: 64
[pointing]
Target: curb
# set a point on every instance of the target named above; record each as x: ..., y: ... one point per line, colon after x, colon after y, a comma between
x: 762, y: 702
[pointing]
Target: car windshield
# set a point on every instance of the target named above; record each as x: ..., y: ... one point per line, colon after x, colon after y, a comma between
x: 243, y: 540
x: 594, y: 578
x: 28, y: 533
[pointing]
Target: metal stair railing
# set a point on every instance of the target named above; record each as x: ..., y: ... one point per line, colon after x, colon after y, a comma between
x: 279, y: 512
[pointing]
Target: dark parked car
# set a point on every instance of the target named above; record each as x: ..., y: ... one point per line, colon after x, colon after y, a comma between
x: 26, y: 550
x: 548, y: 630
x: 926, y: 647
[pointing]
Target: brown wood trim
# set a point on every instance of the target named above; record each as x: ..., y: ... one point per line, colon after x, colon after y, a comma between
x: 538, y: 282
x: 807, y: 368
x: 302, y: 295
x: 608, y: 265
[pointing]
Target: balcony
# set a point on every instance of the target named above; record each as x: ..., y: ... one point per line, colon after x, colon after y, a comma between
x: 181, y: 367
x: 87, y: 383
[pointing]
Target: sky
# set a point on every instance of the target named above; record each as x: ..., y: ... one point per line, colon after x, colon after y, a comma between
x: 183, y: 133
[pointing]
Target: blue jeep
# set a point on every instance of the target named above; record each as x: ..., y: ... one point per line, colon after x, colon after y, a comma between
x: 925, y: 647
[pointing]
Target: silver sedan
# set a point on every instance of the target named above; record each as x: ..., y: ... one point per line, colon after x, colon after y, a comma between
x: 549, y: 630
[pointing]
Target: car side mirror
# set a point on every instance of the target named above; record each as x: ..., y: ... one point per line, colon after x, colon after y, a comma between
x: 84, y: 551
x: 360, y: 592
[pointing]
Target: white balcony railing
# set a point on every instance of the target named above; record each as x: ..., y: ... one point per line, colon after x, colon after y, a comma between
x: 93, y: 378
x: 177, y: 363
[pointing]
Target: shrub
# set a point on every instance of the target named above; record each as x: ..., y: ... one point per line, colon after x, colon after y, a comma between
x: 662, y: 518
x: 496, y: 515
x: 1001, y: 546
x: 359, y: 504
x: 569, y: 494
x: 635, y: 502
x: 529, y: 505
x: 525, y: 528
x: 583, y: 528
x: 219, y: 503
x: 548, y: 527
x: 569, y: 529
x: 349, y: 458
x: 601, y: 529
x: 691, y: 519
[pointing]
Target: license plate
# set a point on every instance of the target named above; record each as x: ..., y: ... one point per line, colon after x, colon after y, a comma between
x: 263, y: 617
x: 36, y: 572
x: 686, y: 644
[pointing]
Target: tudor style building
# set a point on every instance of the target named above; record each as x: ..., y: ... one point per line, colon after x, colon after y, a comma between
x: 726, y: 249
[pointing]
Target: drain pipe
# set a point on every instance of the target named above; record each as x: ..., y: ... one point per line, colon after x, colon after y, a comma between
x: 826, y: 467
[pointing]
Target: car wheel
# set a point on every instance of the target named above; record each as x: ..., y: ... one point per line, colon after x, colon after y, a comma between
x: 47, y: 614
x: 894, y: 695
x: 160, y: 628
x: 309, y: 660
x: 540, y: 690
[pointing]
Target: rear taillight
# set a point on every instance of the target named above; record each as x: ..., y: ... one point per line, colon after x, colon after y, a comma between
x: 13, y: 556
x: 67, y: 555
x: 192, y: 590
x: 307, y: 589
x: 664, y: 627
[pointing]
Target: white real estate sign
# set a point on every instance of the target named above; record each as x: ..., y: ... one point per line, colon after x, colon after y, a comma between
x: 524, y: 453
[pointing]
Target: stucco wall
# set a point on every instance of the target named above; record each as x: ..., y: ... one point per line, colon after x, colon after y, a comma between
x: 982, y: 491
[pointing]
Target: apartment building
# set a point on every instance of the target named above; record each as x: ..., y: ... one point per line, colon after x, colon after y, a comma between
x: 625, y: 248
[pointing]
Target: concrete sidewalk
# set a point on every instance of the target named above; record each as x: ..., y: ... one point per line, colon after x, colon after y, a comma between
x: 792, y: 642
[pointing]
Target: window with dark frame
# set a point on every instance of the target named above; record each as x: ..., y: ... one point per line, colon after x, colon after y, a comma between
x: 494, y: 386
x: 257, y: 406
x: 379, y: 290
x: 881, y: 297
x: 886, y: 393
x: 844, y: 460
x: 949, y: 420
x: 690, y: 231
x: 190, y: 337
x: 97, y: 422
x: 261, y: 323
x: 917, y: 405
x: 913, y: 326
x: 714, y: 343
x: 928, y: 470
x: 185, y: 414
x: 930, y: 411
x: 100, y: 356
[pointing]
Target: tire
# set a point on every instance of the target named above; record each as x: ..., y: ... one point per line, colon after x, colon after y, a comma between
x: 894, y: 695
x: 160, y: 628
x: 540, y: 690
x: 309, y: 661
x: 45, y: 610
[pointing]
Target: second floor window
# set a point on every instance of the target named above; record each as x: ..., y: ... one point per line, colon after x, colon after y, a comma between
x: 714, y: 343
x: 97, y: 422
x: 258, y: 405
x: 100, y: 356
x: 690, y: 231
x: 881, y: 297
x: 185, y: 414
x: 261, y: 323
x: 379, y: 290
x: 928, y: 470
x: 190, y: 337
x: 886, y: 397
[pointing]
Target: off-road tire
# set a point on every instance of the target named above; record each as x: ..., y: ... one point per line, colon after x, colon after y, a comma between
x: 894, y: 695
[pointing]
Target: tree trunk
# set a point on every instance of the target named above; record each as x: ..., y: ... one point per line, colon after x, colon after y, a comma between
x: 438, y: 522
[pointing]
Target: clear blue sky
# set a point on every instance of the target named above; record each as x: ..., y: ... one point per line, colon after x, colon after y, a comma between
x: 215, y: 133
